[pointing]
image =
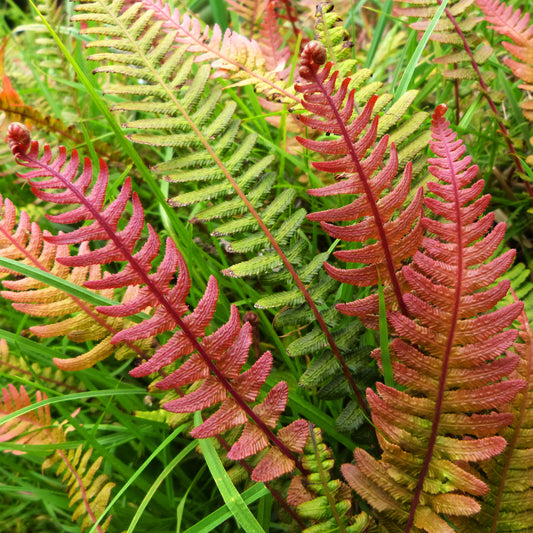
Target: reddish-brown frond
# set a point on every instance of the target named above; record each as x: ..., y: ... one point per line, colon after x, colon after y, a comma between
x: 388, y: 233
x: 450, y: 355
x: 215, y: 360
x: 276, y: 54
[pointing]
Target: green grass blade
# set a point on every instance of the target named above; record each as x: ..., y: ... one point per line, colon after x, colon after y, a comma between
x: 166, y: 471
x: 138, y: 472
x: 69, y: 398
x: 229, y: 493
x: 378, y: 33
x: 413, y: 62
x: 384, y: 339
x: 66, y: 286
x: 209, y: 523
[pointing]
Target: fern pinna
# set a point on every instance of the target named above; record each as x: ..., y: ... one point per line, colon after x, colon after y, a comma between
x: 217, y: 359
x: 451, y: 355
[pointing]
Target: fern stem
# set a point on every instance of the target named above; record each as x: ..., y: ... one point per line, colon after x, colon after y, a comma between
x: 369, y: 196
x: 486, y: 94
x: 457, y: 101
x: 128, y: 256
x: 449, y: 343
x: 292, y: 19
x: 519, y: 421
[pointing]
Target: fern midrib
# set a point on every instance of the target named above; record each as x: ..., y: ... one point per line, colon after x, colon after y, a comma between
x: 169, y: 308
x: 449, y: 343
x: 162, y: 16
x: 518, y: 423
x: 369, y: 196
x: 251, y: 209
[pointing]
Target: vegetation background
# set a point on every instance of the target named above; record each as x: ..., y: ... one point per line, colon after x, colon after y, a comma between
x: 157, y: 478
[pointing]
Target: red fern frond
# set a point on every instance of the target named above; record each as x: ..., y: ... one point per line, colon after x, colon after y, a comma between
x: 217, y: 359
x: 271, y: 42
x: 451, y: 355
x: 388, y: 240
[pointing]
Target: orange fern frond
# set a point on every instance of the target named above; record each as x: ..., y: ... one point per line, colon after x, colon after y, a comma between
x: 217, y: 359
x: 508, y: 506
x: 24, y: 242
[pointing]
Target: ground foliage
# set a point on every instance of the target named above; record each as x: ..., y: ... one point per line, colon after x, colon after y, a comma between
x: 265, y: 264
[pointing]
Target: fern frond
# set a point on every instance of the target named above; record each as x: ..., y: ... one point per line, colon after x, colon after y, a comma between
x: 274, y: 51
x: 391, y: 240
x: 192, y: 120
x: 458, y: 60
x: 321, y: 499
x: 451, y: 356
x: 35, y: 427
x: 17, y: 365
x: 24, y: 241
x: 330, y: 31
x: 508, y: 506
x: 217, y: 359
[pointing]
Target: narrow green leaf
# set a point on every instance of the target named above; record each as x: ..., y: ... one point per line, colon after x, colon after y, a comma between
x: 210, y: 522
x: 413, y: 62
x: 166, y: 471
x: 231, y: 496
x: 384, y: 339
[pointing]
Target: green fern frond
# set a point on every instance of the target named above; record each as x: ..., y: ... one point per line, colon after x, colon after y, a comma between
x: 79, y: 475
x: 197, y: 121
x: 330, y: 31
x: 320, y: 499
x: 17, y: 365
